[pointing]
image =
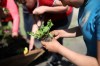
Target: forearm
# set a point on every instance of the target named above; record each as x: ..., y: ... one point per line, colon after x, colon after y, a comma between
x: 74, y: 3
x: 76, y: 58
x: 56, y: 9
x: 15, y: 26
x: 13, y: 9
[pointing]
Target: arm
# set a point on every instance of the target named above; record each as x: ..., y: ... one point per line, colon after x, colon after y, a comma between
x: 69, y: 33
x: 43, y: 9
x: 31, y: 42
x: 76, y: 58
x: 74, y: 3
x: 11, y: 6
x: 56, y: 7
x: 35, y: 26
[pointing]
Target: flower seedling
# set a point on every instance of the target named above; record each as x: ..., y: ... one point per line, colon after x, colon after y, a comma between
x: 43, y: 33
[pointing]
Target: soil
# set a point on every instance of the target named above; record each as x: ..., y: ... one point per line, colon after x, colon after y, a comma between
x: 11, y: 46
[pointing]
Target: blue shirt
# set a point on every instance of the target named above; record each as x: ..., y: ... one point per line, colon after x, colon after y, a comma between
x: 89, y: 22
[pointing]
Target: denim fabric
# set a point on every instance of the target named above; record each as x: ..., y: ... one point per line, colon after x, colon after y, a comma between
x: 28, y: 20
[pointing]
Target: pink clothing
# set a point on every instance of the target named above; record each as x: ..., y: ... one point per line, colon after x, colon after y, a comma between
x: 13, y: 10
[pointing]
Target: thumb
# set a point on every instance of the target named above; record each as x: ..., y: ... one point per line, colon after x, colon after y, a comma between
x: 57, y: 37
x: 33, y: 12
x: 43, y: 43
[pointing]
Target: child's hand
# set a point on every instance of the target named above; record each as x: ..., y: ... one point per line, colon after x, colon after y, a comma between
x: 59, y: 33
x: 52, y: 46
x: 31, y: 44
x: 14, y: 34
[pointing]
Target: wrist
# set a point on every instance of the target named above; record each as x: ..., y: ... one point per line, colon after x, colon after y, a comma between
x: 62, y: 50
x: 59, y: 50
x: 14, y: 31
x: 46, y: 9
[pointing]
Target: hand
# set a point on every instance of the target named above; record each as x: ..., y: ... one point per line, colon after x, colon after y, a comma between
x: 59, y: 33
x: 31, y: 44
x: 14, y: 34
x: 32, y: 40
x: 52, y: 46
x: 39, y: 10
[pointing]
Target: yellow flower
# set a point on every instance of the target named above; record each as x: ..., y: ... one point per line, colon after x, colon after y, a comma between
x: 25, y: 50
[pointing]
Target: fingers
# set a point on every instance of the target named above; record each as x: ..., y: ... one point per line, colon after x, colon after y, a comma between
x: 31, y: 44
x: 39, y: 23
x: 34, y: 12
x: 43, y: 43
x: 14, y: 34
x: 47, y: 43
x: 56, y: 37
x: 55, y: 33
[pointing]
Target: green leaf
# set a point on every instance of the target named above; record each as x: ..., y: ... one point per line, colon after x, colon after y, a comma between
x: 43, y: 31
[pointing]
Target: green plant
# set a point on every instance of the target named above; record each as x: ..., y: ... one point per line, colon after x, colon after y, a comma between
x: 5, y: 32
x: 43, y: 32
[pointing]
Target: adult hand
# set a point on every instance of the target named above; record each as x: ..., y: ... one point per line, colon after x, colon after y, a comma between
x: 59, y: 33
x: 40, y: 10
x: 52, y: 46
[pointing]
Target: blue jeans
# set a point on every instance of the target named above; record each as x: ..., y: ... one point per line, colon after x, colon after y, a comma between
x: 28, y: 20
